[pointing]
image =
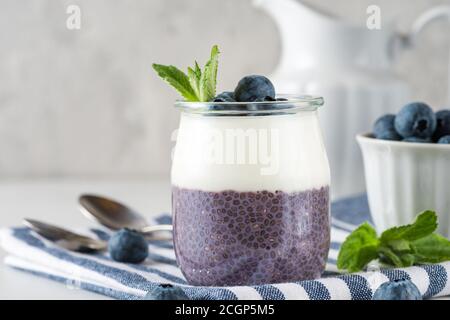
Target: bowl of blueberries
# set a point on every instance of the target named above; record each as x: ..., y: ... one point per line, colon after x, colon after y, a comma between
x: 407, y: 166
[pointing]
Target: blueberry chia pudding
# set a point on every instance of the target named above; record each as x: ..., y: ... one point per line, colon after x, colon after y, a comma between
x: 250, y: 181
x: 251, y: 223
x: 248, y: 238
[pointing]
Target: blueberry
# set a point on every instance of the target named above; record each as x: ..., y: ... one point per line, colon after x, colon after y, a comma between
x: 265, y: 99
x: 416, y: 140
x: 443, y: 124
x: 384, y: 128
x: 389, y: 135
x: 128, y: 246
x: 254, y: 88
x: 444, y: 140
x: 166, y: 292
x: 397, y: 290
x: 415, y: 120
x: 226, y: 96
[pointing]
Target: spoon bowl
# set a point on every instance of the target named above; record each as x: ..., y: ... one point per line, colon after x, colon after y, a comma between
x: 115, y: 215
x: 64, y: 238
x: 110, y: 213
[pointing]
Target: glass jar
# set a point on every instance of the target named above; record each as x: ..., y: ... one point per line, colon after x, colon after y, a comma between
x: 250, y: 192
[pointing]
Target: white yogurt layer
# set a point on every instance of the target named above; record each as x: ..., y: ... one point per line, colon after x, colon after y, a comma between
x: 250, y: 153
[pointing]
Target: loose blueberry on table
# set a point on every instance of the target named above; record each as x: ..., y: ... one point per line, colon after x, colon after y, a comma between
x: 397, y: 290
x: 166, y: 292
x: 415, y: 122
x: 128, y: 245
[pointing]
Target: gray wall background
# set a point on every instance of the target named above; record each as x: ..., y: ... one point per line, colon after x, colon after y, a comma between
x: 86, y: 102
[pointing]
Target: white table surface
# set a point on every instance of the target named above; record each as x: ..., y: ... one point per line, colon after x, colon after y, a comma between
x: 56, y: 201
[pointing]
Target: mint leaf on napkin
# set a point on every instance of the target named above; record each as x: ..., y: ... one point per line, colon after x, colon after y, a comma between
x: 432, y: 249
x: 196, y: 85
x: 359, y: 248
x: 425, y: 224
x: 401, y: 246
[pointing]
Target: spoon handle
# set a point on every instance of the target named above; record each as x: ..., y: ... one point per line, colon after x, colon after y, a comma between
x: 156, y: 228
x: 151, y: 232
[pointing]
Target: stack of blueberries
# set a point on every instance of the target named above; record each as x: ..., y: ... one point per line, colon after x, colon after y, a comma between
x: 416, y: 122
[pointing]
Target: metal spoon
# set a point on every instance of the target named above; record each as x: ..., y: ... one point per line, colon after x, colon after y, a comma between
x: 64, y: 238
x: 115, y: 215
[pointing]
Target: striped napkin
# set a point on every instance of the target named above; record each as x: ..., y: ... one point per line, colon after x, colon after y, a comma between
x: 97, y: 272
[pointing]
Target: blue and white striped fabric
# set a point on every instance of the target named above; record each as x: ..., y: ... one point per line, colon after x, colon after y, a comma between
x: 31, y: 253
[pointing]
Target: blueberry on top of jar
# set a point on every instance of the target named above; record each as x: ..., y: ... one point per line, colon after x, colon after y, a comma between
x: 226, y: 96
x: 254, y: 88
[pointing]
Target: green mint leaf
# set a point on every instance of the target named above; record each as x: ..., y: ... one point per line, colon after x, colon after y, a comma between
x: 425, y: 224
x: 197, y: 70
x: 408, y: 259
x: 400, y: 245
x: 194, y: 78
x: 399, y: 253
x: 208, y: 79
x: 431, y: 249
x: 177, y: 79
x: 358, y: 249
x: 388, y: 256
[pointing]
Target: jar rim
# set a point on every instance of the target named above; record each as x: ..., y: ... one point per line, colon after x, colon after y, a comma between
x: 291, y: 104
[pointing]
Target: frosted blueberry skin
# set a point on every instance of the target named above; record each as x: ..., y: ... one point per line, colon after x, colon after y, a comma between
x: 416, y: 119
x: 442, y: 124
x: 247, y: 238
x: 128, y: 245
x: 384, y: 128
x: 397, y: 290
x: 166, y: 292
x: 444, y: 140
x: 254, y: 88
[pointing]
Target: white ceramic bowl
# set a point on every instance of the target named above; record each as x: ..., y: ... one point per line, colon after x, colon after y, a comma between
x: 404, y: 179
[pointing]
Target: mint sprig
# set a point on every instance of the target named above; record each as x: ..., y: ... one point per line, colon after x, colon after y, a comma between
x: 196, y: 85
x: 358, y: 249
x: 194, y: 78
x: 402, y: 246
x: 177, y: 79
x: 208, y: 77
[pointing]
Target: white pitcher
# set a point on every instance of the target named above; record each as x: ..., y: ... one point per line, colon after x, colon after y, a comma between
x: 351, y: 67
